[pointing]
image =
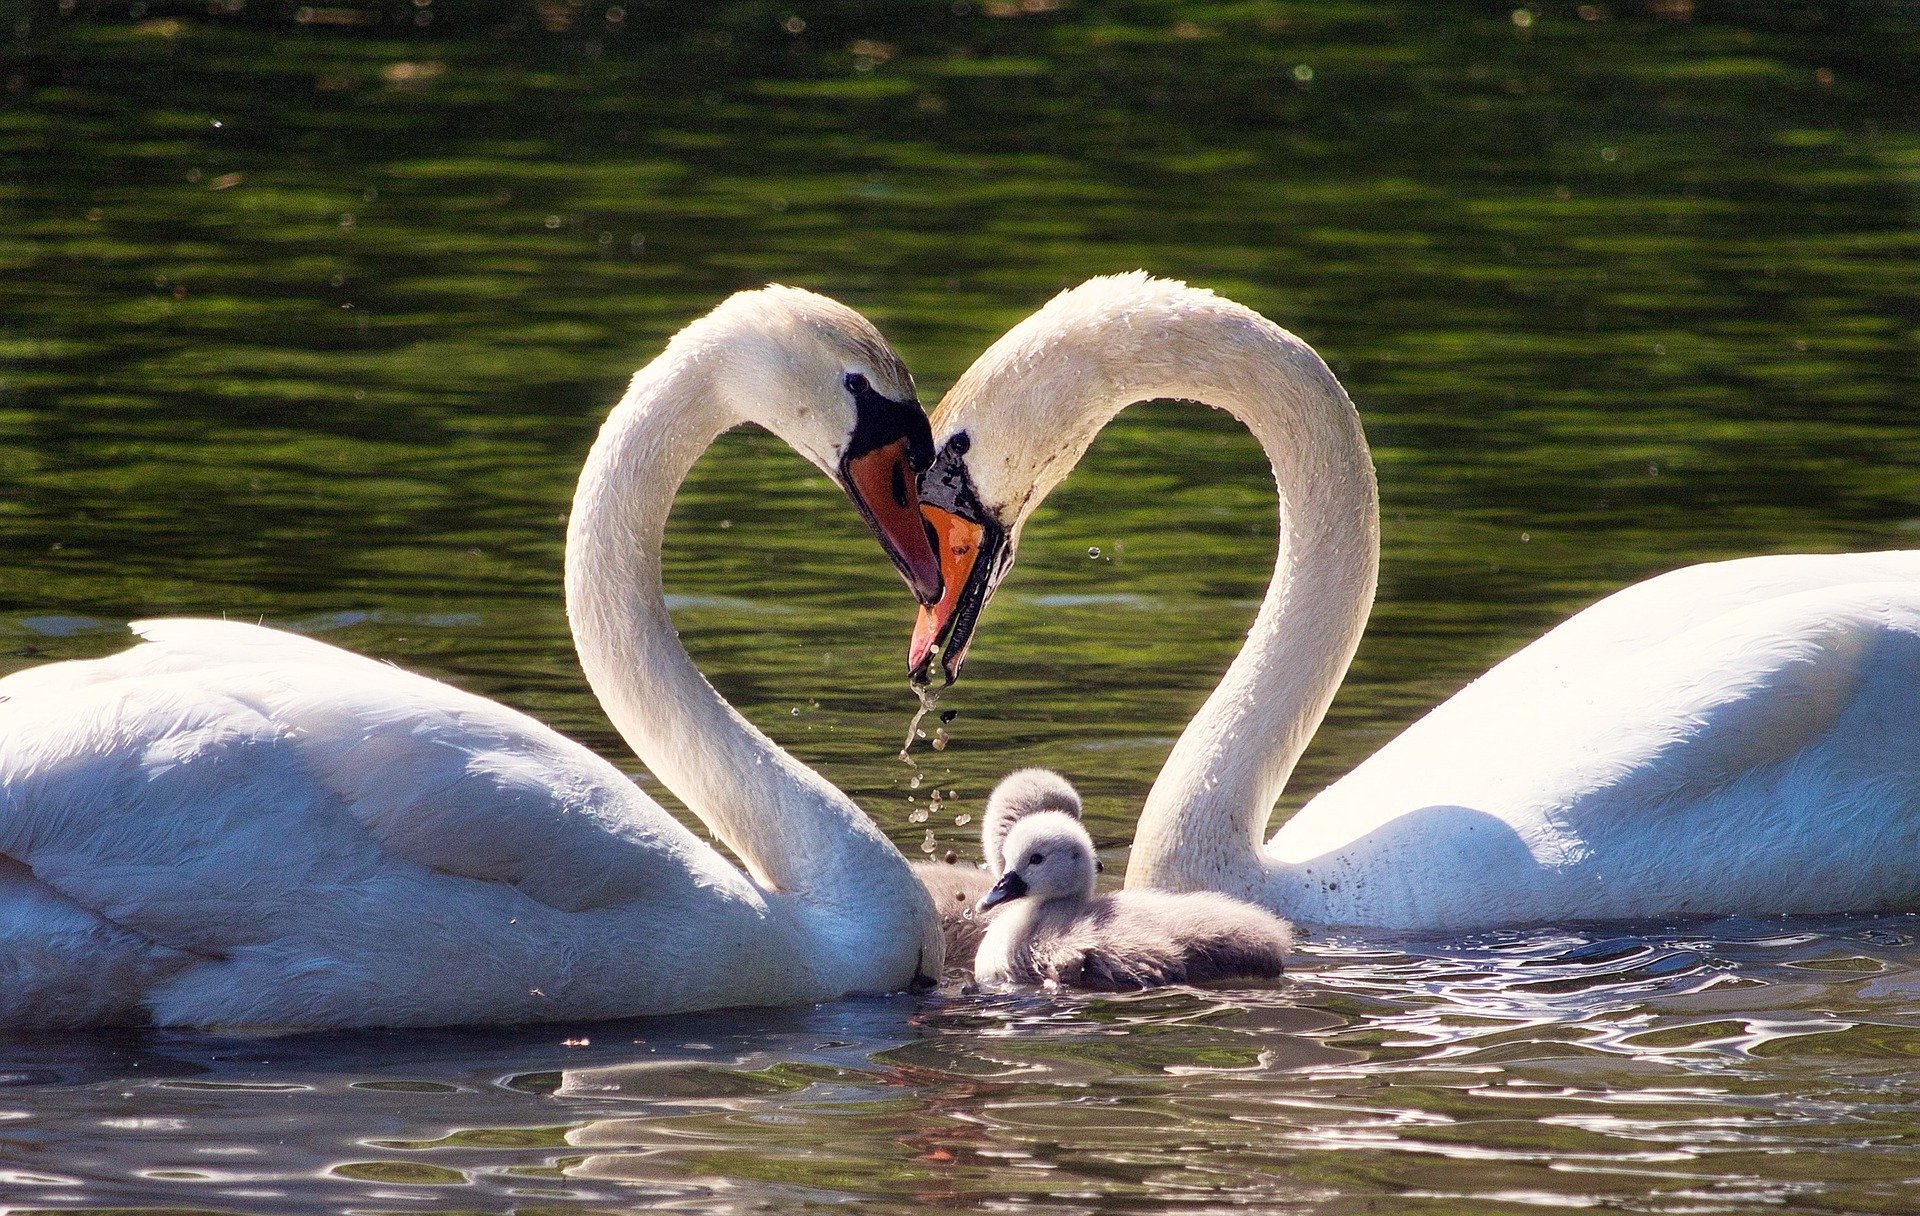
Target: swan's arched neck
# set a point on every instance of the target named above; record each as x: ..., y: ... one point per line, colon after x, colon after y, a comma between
x: 1068, y: 370
x: 793, y: 830
x: 1234, y: 759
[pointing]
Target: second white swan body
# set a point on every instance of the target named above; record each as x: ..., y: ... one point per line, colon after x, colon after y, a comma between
x: 229, y: 825
x: 1736, y: 738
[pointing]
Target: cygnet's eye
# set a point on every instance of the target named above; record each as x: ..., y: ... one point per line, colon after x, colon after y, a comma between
x: 855, y: 382
x: 1036, y: 859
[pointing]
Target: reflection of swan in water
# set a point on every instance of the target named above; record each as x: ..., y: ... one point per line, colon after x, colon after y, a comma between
x: 233, y: 825
x: 1738, y: 737
x: 956, y: 889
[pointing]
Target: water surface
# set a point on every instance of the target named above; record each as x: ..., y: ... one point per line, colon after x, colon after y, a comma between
x: 308, y: 314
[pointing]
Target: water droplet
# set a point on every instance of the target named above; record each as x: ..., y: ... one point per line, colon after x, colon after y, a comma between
x: 915, y: 783
x: 961, y: 821
x: 795, y: 711
x: 919, y: 815
x: 929, y: 697
x: 926, y: 846
x: 940, y: 740
x: 1093, y: 551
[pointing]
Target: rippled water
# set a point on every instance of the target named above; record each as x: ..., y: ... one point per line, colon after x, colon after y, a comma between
x: 307, y: 313
x: 1733, y: 1067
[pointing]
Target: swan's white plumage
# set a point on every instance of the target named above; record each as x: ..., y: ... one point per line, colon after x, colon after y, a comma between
x: 232, y: 825
x: 1679, y: 753
x: 276, y: 831
x: 1739, y: 737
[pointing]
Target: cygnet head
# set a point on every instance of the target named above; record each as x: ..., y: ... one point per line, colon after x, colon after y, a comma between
x: 1049, y: 856
x: 819, y: 375
x: 1021, y: 793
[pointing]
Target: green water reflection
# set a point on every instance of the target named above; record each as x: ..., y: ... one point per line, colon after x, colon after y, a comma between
x: 309, y: 312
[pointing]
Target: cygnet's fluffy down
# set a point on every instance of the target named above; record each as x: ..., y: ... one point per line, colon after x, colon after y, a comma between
x: 1053, y: 926
x: 957, y: 888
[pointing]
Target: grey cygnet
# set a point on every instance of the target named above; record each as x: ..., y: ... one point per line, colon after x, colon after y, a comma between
x: 958, y: 888
x: 1055, y: 928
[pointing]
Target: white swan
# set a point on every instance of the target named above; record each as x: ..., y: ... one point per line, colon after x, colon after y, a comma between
x: 1742, y: 737
x: 229, y: 825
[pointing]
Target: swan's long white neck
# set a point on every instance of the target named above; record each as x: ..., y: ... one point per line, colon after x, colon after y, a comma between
x: 1078, y: 362
x: 1205, y: 819
x: 794, y: 831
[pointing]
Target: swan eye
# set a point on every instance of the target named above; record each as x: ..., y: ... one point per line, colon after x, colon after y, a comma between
x: 855, y: 382
x: 1036, y: 859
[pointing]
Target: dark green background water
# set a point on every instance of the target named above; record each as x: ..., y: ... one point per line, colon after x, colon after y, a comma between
x: 308, y: 313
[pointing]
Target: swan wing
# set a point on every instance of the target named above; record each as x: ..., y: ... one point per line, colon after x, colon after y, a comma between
x: 225, y: 788
x: 1586, y: 647
x: 454, y: 781
x: 1759, y: 760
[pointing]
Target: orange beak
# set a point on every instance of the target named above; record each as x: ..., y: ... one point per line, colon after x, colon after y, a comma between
x: 882, y: 483
x: 959, y: 544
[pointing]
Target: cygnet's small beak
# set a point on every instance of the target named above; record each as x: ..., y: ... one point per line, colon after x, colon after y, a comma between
x: 1010, y: 886
x: 884, y: 485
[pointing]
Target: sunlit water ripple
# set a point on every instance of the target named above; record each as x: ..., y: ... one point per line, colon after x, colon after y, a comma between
x: 1728, y: 1066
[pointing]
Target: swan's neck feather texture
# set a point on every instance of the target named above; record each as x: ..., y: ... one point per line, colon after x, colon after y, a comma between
x: 1068, y: 370
x: 796, y: 834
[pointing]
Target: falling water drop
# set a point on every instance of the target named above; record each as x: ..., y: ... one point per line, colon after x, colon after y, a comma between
x: 929, y: 697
